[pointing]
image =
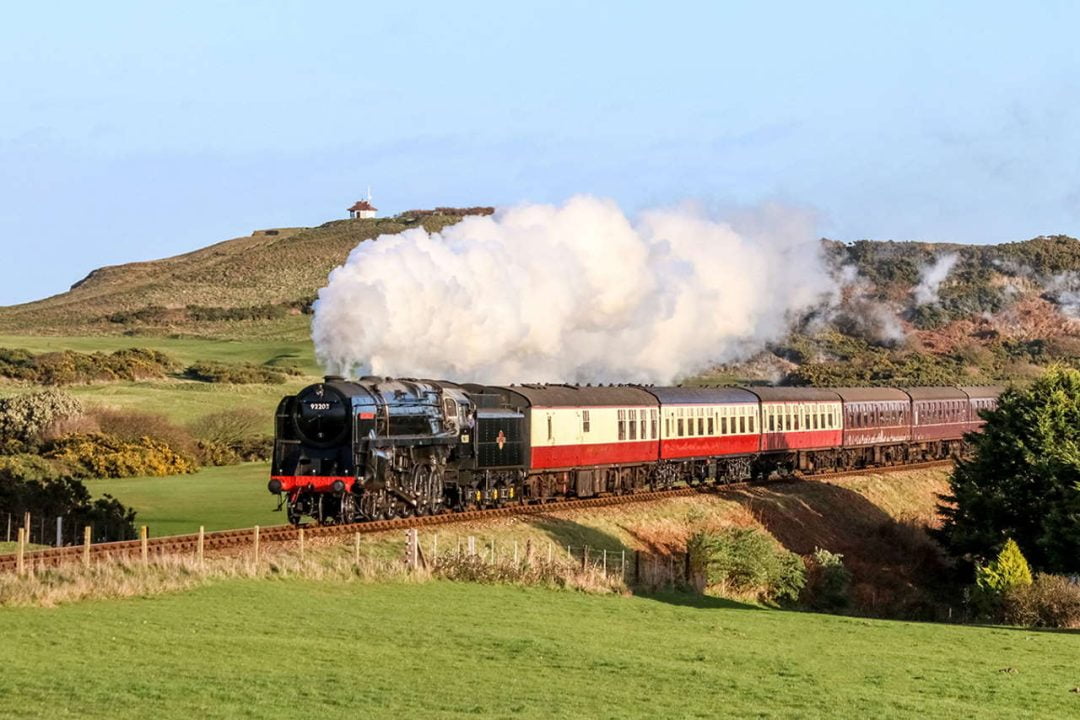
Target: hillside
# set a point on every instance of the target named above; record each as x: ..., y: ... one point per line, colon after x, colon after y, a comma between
x: 250, y: 286
x: 908, y: 313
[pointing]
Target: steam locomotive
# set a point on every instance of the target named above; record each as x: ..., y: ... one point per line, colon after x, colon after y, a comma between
x: 374, y: 448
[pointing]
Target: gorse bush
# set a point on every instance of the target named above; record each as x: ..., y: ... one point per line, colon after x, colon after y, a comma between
x: 745, y: 561
x: 24, y: 419
x: 68, y: 367
x: 101, y: 455
x: 133, y: 425
x: 238, y: 374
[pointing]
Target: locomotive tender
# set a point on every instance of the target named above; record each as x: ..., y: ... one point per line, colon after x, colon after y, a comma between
x: 374, y: 448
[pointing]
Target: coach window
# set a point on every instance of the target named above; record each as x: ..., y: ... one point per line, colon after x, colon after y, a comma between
x: 772, y: 423
x: 644, y: 420
x: 795, y: 417
x: 680, y: 427
x: 712, y: 428
x: 633, y: 424
x: 667, y: 426
x: 550, y: 434
x: 701, y: 426
x: 654, y: 421
x: 585, y: 421
x: 622, y: 424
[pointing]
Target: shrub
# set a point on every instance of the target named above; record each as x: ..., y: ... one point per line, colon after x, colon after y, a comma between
x: 133, y: 425
x: 239, y: 374
x: 229, y: 426
x: 25, y: 418
x: 101, y: 455
x: 747, y: 562
x: 828, y: 584
x: 232, y: 436
x: 66, y: 497
x: 1049, y: 601
x: 27, y: 467
x: 67, y: 367
x: 995, y: 579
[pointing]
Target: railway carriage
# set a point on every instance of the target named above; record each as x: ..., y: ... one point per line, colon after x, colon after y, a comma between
x: 370, y: 448
x: 979, y: 400
x: 584, y: 440
x: 877, y: 425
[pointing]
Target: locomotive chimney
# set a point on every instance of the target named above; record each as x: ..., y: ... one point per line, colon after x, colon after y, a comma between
x: 333, y: 378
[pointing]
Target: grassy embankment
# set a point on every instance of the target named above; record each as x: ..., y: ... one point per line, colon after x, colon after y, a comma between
x: 246, y: 648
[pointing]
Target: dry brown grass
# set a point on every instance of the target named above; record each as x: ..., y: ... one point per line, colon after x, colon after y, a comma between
x: 125, y: 578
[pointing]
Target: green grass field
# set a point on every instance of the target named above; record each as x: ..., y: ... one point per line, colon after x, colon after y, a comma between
x: 299, y: 354
x: 291, y: 648
x: 219, y: 498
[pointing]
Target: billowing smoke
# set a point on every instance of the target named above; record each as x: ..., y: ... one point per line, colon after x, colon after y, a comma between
x: 571, y: 293
x: 1064, y: 290
x: 931, y: 276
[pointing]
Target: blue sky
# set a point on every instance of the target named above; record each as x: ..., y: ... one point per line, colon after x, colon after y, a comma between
x: 138, y: 130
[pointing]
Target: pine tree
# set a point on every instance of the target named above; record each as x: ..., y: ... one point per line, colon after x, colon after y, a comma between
x: 1023, y: 480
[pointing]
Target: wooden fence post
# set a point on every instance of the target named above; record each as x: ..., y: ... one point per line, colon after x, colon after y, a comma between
x: 86, y: 547
x: 412, y: 549
x: 199, y: 552
x: 20, y: 558
x: 143, y: 543
x: 301, y: 544
x: 26, y: 524
x: 585, y: 558
x: 622, y: 565
x: 59, y: 531
x: 551, y: 550
x: 492, y: 551
x: 605, y: 562
x: 356, y: 549
x: 472, y: 545
x: 256, y: 544
x: 435, y: 549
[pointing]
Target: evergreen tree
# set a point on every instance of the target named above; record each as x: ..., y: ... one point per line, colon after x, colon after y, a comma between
x: 1023, y: 480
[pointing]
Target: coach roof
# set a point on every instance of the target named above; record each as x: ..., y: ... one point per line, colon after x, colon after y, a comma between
x: 794, y: 394
x: 702, y: 395
x: 581, y: 396
x: 882, y: 394
x: 936, y: 393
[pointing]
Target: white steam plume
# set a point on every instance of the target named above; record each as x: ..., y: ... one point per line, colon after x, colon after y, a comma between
x: 572, y: 293
x: 931, y: 276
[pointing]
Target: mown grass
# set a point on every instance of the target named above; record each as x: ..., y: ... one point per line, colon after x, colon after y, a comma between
x: 219, y: 498
x: 265, y: 648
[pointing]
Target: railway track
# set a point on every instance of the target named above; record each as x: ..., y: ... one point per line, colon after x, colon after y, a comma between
x: 225, y: 540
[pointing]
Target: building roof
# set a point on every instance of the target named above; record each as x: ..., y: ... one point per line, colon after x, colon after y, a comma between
x: 361, y: 205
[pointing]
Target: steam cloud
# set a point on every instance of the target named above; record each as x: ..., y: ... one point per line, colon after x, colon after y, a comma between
x: 571, y: 293
x: 930, y: 278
